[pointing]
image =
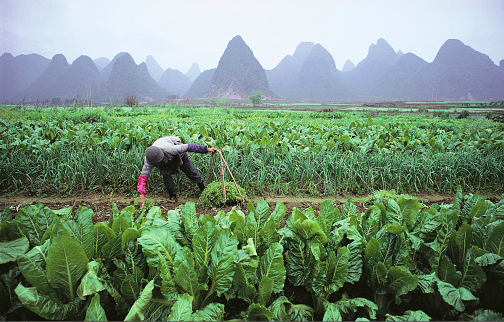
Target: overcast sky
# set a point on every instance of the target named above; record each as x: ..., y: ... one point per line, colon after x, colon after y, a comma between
x: 178, y: 33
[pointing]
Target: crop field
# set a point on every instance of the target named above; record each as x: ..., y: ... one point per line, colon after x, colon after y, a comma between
x: 337, y: 225
x: 282, y: 152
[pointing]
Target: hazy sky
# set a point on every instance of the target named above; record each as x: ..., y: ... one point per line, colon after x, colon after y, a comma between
x: 178, y: 33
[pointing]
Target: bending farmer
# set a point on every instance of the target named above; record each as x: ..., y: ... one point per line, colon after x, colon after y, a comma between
x: 168, y: 154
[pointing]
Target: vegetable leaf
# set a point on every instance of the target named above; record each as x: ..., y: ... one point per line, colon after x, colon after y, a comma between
x: 346, y: 306
x: 32, y: 266
x: 44, y: 306
x: 222, y: 267
x: 13, y: 249
x: 36, y: 219
x: 401, y: 280
x: 186, y: 276
x: 495, y: 240
x: 66, y: 264
x: 203, y: 242
x: 137, y: 311
x: 272, y: 265
x: 182, y: 309
x: 95, y: 311
x: 91, y: 283
x: 332, y: 313
x: 258, y: 312
x: 455, y: 296
x: 211, y: 312
x: 157, y: 241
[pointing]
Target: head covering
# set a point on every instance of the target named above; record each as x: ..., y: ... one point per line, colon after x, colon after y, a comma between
x: 154, y: 154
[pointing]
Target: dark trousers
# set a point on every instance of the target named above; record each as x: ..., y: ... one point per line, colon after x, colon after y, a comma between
x: 188, y: 169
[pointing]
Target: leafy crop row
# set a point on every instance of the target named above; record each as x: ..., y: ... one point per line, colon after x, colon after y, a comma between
x: 279, y: 151
x: 279, y: 134
x: 398, y: 260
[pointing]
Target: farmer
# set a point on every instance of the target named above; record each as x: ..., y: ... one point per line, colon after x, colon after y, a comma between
x: 169, y: 155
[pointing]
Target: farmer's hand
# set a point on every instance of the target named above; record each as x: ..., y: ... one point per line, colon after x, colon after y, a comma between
x: 141, y: 200
x: 213, y: 150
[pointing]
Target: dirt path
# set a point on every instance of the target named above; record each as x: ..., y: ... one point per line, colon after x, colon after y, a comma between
x: 102, y: 204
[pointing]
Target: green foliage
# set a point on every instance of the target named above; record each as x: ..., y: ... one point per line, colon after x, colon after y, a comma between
x: 86, y: 116
x: 13, y: 249
x: 255, y: 98
x: 95, y: 311
x: 221, y: 101
x: 284, y: 152
x: 464, y: 114
x: 441, y: 114
x: 396, y: 261
x: 213, y: 196
x: 66, y: 264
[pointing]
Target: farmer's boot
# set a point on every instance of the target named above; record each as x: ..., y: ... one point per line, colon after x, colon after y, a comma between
x: 173, y: 195
x: 201, y: 186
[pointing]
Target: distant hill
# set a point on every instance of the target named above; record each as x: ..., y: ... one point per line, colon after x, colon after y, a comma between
x: 107, y: 70
x: 153, y: 67
x: 238, y: 73
x: 348, y: 66
x: 458, y: 72
x: 127, y: 78
x: 193, y: 72
x: 201, y: 84
x: 47, y: 85
x: 462, y: 73
x: 409, y: 79
x: 18, y: 73
x: 101, y: 63
x: 79, y: 80
x: 174, y: 82
x: 284, y: 75
x: 310, y: 73
x: 83, y: 80
x: 319, y: 79
x: 364, y: 76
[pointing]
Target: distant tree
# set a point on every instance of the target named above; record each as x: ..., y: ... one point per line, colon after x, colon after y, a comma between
x: 464, y: 114
x: 131, y: 101
x: 56, y: 101
x: 255, y: 98
x: 221, y: 101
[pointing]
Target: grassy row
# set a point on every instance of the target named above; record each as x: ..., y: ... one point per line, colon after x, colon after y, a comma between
x: 472, y: 152
x: 259, y: 171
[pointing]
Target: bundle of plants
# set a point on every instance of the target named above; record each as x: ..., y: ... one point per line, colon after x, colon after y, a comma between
x: 212, y: 196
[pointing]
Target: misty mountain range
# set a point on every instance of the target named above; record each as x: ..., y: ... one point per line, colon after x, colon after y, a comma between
x: 458, y: 72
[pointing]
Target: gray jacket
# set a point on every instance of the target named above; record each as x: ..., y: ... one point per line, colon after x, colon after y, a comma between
x: 174, y: 150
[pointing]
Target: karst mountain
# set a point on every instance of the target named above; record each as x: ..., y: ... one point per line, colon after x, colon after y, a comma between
x: 458, y: 72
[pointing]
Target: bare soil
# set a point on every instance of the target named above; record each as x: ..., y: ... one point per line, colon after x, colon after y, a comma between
x: 101, y: 204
